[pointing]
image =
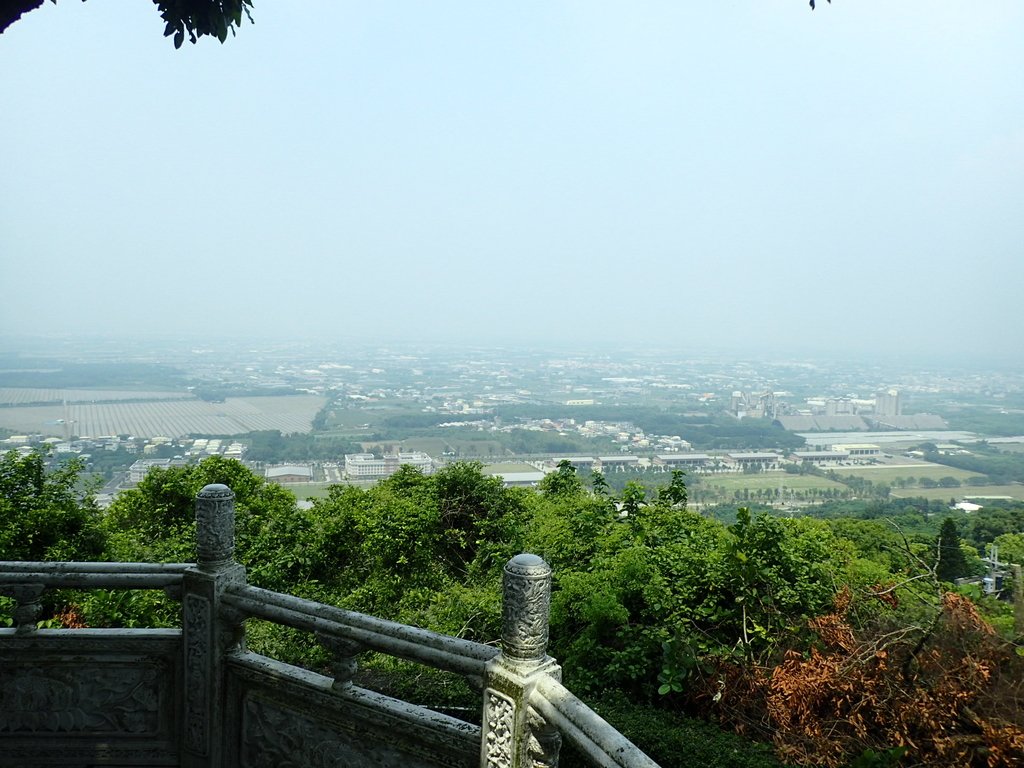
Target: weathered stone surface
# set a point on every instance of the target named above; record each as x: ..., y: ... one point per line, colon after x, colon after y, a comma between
x: 525, y: 607
x: 317, y: 721
x: 516, y: 735
x: 215, y: 526
x: 82, y: 697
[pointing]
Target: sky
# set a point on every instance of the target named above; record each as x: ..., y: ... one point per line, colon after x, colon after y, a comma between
x: 723, y: 175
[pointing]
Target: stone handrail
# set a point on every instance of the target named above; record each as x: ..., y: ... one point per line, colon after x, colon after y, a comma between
x: 369, y: 632
x: 25, y: 582
x: 586, y: 729
x: 67, y: 575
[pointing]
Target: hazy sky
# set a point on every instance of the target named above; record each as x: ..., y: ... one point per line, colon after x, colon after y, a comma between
x: 733, y: 174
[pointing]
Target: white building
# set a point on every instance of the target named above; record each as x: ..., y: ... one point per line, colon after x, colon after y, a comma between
x: 140, y: 468
x: 366, y: 466
x: 859, y: 451
x: 888, y: 403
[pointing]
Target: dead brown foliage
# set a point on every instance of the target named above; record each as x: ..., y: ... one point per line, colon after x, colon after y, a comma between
x: 71, y: 618
x: 952, y: 693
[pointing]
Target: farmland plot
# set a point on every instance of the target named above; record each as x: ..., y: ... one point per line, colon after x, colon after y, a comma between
x: 172, y: 418
x: 26, y: 395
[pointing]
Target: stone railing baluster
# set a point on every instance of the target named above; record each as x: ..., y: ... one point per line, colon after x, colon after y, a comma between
x: 513, y: 734
x: 27, y: 606
x: 209, y: 631
x: 344, y: 658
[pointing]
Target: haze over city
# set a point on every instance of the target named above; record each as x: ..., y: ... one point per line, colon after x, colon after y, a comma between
x: 737, y: 176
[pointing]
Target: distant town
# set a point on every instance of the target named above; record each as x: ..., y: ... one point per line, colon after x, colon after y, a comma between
x: 783, y: 432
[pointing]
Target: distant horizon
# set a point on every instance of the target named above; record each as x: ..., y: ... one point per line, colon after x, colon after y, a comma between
x: 724, y: 178
x: 24, y: 344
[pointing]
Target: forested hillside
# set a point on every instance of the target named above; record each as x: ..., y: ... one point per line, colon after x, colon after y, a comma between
x: 833, y: 640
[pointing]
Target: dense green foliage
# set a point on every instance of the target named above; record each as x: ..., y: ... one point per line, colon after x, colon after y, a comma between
x: 44, y: 515
x: 951, y: 563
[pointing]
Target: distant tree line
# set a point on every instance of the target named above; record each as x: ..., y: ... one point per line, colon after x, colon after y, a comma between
x: 273, y: 447
x: 46, y: 374
x: 1000, y: 467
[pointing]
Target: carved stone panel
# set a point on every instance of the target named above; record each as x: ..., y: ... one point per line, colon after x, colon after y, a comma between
x: 72, y: 698
x: 197, y: 672
x: 273, y: 737
x: 89, y: 697
x: 275, y: 712
x: 499, y: 742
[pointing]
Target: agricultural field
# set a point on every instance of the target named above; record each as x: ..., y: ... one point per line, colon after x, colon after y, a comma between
x: 305, y: 491
x: 434, y: 446
x: 508, y: 467
x: 347, y: 418
x: 26, y: 396
x: 466, y: 447
x: 974, y: 493
x: 769, y: 480
x: 169, y: 418
x: 889, y: 473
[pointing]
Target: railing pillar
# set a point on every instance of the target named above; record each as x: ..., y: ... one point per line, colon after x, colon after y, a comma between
x: 513, y: 734
x: 27, y: 605
x: 209, y: 633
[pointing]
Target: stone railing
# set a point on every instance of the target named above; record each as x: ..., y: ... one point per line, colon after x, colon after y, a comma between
x: 195, y: 697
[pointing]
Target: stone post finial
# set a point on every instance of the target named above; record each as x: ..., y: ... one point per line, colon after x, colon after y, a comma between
x: 215, y: 527
x: 526, y: 602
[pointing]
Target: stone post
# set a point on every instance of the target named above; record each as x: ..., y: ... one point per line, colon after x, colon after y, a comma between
x: 513, y: 735
x: 1018, y: 601
x: 344, y: 659
x: 28, y: 607
x: 209, y: 632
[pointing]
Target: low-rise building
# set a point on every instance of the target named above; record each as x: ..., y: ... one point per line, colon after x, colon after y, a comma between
x: 141, y: 468
x: 667, y: 461
x: 582, y: 464
x: 520, y: 479
x: 366, y: 466
x: 821, y: 458
x: 290, y: 473
x: 619, y: 463
x: 859, y: 451
x: 760, y: 459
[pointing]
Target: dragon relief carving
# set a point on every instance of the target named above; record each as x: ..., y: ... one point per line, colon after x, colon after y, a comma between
x: 525, y: 616
x: 215, y: 527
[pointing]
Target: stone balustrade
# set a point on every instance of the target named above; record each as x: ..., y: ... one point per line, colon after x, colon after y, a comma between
x: 195, y: 697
